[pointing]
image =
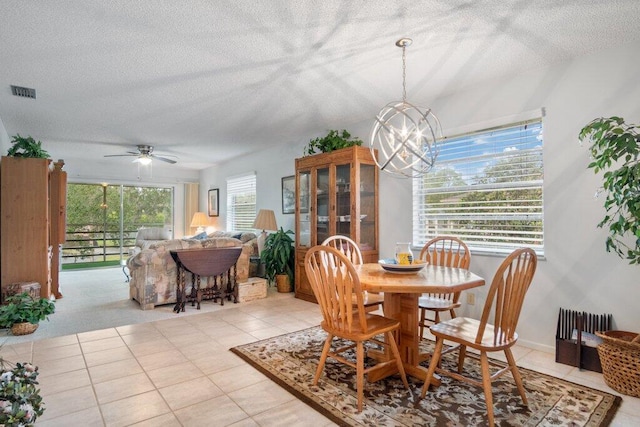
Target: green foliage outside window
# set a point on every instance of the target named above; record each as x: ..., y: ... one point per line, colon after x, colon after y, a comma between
x: 93, y: 217
x: 473, y: 200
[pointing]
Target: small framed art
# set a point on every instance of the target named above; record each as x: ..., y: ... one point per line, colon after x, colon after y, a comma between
x: 289, y: 194
x: 214, y: 202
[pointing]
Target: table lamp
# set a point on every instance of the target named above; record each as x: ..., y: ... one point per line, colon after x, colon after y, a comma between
x: 200, y: 220
x: 266, y: 220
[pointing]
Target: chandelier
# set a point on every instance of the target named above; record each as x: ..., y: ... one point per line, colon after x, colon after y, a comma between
x: 405, y: 135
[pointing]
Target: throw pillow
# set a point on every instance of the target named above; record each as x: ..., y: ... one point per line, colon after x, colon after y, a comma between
x: 200, y: 236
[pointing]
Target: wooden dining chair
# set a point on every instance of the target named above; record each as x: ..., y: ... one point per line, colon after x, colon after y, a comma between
x: 372, y: 301
x: 504, y: 301
x: 444, y: 251
x: 333, y: 280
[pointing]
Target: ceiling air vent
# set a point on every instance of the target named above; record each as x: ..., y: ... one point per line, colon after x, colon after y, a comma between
x: 24, y: 92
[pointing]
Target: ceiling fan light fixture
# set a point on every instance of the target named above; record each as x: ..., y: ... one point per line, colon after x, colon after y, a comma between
x: 143, y: 160
x: 405, y: 135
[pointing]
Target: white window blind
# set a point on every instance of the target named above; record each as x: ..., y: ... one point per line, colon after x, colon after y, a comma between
x: 241, y: 202
x: 485, y: 188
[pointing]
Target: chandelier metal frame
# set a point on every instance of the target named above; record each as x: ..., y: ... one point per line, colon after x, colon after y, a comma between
x: 405, y: 135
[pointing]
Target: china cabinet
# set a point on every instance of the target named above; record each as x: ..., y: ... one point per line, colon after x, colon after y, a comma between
x: 336, y: 193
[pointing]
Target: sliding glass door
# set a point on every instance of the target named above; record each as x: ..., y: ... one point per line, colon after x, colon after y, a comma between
x: 103, y: 219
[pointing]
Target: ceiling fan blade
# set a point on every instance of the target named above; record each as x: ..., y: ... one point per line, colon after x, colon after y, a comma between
x: 121, y: 155
x: 162, y: 159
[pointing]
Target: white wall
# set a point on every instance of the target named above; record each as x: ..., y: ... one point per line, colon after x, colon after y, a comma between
x: 576, y: 272
x: 4, y: 139
x: 270, y: 165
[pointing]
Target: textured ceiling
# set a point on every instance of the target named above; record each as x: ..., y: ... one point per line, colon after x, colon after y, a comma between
x: 210, y: 80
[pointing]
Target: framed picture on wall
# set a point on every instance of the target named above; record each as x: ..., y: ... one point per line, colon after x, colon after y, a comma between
x: 289, y: 194
x: 214, y: 203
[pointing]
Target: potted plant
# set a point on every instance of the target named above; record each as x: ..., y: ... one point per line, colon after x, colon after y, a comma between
x: 20, y: 400
x: 22, y: 313
x: 27, y: 147
x: 615, y: 149
x: 277, y: 256
x: 333, y: 141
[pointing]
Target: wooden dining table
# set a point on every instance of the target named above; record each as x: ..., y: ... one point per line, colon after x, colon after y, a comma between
x: 401, y: 293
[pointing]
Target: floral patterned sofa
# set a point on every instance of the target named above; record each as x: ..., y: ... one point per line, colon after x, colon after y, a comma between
x: 153, y: 271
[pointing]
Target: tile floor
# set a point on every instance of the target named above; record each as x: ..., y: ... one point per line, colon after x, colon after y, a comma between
x: 179, y: 372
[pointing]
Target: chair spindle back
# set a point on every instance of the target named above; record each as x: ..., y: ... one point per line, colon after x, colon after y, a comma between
x: 506, y: 294
x: 346, y: 246
x: 334, y: 280
x: 446, y: 251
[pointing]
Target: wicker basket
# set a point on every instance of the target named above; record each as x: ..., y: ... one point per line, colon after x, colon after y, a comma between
x: 24, y: 328
x: 620, y: 357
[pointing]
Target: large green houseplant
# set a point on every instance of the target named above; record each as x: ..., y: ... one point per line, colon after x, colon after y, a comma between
x: 277, y: 257
x: 333, y: 141
x: 615, y: 149
x: 27, y: 147
x: 21, y: 309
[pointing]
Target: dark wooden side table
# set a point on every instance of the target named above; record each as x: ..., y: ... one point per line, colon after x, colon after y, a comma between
x: 219, y: 263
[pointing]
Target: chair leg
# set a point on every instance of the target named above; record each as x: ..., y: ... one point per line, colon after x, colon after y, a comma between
x: 433, y: 364
x: 516, y: 374
x: 360, y: 373
x: 396, y: 354
x: 486, y: 385
x: 422, y: 321
x: 462, y: 353
x: 452, y: 312
x: 323, y: 358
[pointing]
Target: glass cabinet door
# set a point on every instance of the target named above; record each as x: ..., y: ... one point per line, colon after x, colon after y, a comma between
x: 343, y: 200
x: 323, y: 205
x: 367, y: 187
x: 304, y: 199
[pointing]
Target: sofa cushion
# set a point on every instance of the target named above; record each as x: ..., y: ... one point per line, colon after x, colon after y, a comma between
x: 243, y: 236
x: 221, y: 242
x: 146, y: 236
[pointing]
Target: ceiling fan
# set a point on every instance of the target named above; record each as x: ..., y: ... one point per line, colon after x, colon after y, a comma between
x: 144, y: 155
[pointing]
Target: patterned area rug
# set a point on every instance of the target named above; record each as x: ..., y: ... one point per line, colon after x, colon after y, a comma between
x: 291, y: 361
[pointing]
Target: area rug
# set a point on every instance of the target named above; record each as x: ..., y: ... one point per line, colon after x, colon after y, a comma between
x: 291, y: 361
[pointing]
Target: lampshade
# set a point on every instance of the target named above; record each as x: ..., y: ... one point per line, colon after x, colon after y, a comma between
x: 405, y: 135
x: 200, y: 220
x: 266, y: 220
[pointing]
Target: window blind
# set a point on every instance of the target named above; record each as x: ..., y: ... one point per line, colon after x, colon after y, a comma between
x: 485, y: 188
x: 241, y: 202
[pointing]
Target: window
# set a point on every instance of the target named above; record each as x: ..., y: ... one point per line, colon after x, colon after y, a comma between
x: 241, y: 202
x: 486, y: 188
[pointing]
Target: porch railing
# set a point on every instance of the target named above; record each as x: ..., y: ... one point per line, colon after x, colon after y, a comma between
x: 94, y: 244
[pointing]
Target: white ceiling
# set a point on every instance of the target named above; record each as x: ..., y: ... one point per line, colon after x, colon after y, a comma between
x: 207, y: 81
